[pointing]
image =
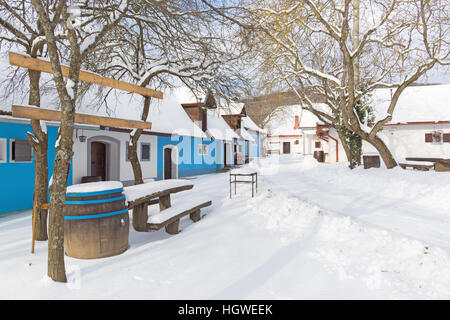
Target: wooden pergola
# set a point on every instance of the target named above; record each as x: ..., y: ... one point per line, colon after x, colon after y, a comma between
x: 28, y: 112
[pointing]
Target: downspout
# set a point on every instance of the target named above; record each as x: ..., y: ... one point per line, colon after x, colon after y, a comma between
x: 319, y: 130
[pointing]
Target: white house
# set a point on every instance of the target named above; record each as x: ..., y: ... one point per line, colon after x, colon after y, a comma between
x: 420, y: 127
x: 291, y: 130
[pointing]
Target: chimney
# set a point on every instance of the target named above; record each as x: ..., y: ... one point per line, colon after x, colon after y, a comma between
x: 297, y: 124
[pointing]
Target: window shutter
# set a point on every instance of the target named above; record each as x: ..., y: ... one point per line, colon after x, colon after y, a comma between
x: 446, y: 137
x: 428, y: 137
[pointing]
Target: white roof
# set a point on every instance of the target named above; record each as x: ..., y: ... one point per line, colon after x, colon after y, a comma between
x: 218, y: 128
x: 245, y: 135
x: 248, y: 123
x: 282, y: 120
x: 229, y: 107
x: 185, y: 95
x: 166, y: 115
x: 416, y: 104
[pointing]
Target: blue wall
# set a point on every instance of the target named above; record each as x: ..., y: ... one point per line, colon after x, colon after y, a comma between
x: 17, y: 179
x: 255, y: 147
x: 190, y: 162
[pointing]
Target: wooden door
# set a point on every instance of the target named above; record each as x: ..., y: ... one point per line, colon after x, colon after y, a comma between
x: 167, y: 163
x: 286, y: 147
x: 98, y: 159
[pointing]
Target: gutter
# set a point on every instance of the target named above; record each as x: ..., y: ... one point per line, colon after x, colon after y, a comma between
x: 416, y: 123
x: 319, y: 130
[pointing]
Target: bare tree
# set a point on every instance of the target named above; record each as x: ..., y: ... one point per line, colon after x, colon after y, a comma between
x: 308, y: 45
x: 20, y: 33
x: 84, y: 28
x: 165, y: 44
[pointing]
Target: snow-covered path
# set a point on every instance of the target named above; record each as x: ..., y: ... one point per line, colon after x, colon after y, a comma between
x: 312, y: 232
x: 409, y: 203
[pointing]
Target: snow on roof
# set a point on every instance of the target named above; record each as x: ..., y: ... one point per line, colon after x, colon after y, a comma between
x: 167, y: 115
x: 218, y: 128
x: 245, y: 135
x: 416, y: 104
x: 229, y: 107
x: 282, y: 120
x: 185, y: 95
x: 248, y: 123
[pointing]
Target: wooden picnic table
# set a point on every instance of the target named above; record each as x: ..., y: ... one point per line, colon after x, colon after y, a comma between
x: 235, y: 173
x: 417, y: 166
x: 162, y: 197
x: 426, y: 163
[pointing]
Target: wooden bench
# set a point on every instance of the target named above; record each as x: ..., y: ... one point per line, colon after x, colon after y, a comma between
x: 170, y: 217
x: 417, y: 166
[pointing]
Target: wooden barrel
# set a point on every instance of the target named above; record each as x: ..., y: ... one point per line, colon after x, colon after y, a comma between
x: 319, y: 156
x: 96, y: 220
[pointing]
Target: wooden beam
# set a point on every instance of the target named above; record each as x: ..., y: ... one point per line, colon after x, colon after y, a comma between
x: 53, y: 115
x: 24, y: 61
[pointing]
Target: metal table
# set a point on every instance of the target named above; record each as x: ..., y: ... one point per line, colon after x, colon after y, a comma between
x: 244, y: 173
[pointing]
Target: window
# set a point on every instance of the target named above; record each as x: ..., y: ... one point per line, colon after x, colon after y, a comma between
x: 20, y: 150
x: 3, y: 142
x: 296, y: 141
x: 145, y: 151
x: 240, y: 148
x: 435, y: 137
x: 317, y: 144
x: 203, y: 149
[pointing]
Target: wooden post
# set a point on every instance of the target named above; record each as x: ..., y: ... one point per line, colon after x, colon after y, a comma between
x: 230, y: 185
x: 172, y: 228
x: 252, y: 186
x: 33, y: 229
x: 164, y: 202
x: 43, y: 206
x: 20, y: 60
x: 195, y: 216
x: 54, y: 115
x: 140, y: 217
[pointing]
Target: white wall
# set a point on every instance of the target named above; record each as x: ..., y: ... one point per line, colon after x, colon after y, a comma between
x: 118, y: 155
x: 332, y: 148
x: 409, y: 141
x: 275, y: 144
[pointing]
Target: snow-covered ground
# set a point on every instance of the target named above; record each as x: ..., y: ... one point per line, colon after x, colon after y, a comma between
x: 314, y: 231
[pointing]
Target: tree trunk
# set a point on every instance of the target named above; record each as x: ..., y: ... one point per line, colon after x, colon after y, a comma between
x: 133, y: 156
x: 344, y: 145
x: 355, y: 41
x: 56, y: 268
x: 132, y: 146
x: 40, y: 160
x: 383, y: 150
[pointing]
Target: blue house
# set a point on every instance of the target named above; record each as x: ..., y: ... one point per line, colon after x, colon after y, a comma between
x: 180, y: 144
x: 249, y: 144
